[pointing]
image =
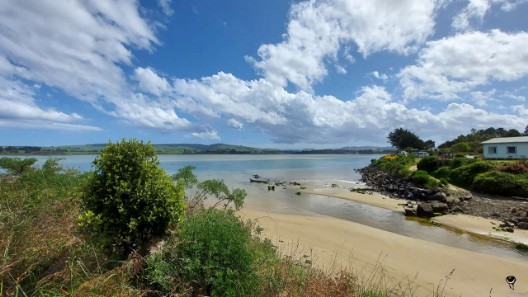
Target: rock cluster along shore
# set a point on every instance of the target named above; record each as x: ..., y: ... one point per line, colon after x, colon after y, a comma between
x: 427, y: 203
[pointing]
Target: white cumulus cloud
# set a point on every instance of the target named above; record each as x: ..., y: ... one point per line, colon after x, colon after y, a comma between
x: 450, y: 66
x: 318, y: 29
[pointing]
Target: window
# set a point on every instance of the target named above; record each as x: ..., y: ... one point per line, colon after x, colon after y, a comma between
x: 511, y: 149
x: 492, y: 150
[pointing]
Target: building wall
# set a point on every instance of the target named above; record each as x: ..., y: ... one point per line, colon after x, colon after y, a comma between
x: 502, y: 151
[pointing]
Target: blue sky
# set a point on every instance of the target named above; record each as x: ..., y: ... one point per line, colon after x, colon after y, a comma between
x: 267, y: 73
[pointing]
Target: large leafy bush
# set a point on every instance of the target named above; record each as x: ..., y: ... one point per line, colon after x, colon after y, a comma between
x: 429, y: 164
x: 129, y: 199
x: 465, y: 174
x: 502, y: 183
x: 215, y: 255
x: 421, y: 178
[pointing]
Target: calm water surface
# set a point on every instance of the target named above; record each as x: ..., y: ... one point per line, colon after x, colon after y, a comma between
x: 317, y: 171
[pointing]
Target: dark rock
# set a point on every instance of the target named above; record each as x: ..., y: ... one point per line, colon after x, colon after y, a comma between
x: 409, y: 211
x: 506, y: 225
x: 440, y: 196
x: 465, y: 196
x: 457, y: 209
x: 509, y: 229
x: 425, y: 210
x: 522, y: 225
x: 452, y: 200
x: 440, y: 207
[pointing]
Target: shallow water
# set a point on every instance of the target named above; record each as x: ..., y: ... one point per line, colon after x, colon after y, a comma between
x: 317, y: 171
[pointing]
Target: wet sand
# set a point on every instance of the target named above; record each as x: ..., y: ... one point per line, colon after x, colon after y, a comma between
x: 394, y: 260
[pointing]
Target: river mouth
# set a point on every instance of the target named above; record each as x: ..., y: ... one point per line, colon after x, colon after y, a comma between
x: 288, y: 201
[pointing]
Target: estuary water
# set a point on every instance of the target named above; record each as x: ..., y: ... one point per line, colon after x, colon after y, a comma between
x: 315, y: 171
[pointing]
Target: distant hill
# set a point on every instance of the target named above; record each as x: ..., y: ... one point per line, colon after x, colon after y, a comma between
x: 182, y: 149
x: 349, y: 150
x: 218, y: 148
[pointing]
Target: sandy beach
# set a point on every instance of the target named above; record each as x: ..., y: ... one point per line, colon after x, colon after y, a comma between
x: 394, y: 260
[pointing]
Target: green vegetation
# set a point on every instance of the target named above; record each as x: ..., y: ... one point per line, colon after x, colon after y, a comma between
x: 16, y: 166
x: 48, y: 251
x: 502, y: 183
x: 471, y: 142
x: 216, y: 254
x: 397, y: 165
x: 421, y: 178
x: 129, y: 200
x: 404, y: 139
x: 508, y: 178
x: 39, y: 248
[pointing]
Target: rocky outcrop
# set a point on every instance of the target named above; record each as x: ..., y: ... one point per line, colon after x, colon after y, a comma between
x: 396, y: 187
x: 513, y: 212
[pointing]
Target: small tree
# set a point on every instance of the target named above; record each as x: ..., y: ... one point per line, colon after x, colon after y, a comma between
x: 17, y: 166
x: 129, y: 199
x: 403, y: 138
x: 199, y: 191
x: 461, y: 147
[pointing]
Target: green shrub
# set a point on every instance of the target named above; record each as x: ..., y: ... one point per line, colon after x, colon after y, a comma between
x: 17, y: 166
x: 421, y: 178
x: 501, y: 183
x: 442, y: 172
x: 464, y: 175
x: 129, y: 199
x: 202, y: 190
x: 457, y: 162
x: 215, y: 255
x: 396, y: 164
x: 429, y: 164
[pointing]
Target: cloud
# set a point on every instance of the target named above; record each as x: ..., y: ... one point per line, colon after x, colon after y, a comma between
x: 234, y: 123
x: 166, y: 7
x: 340, y: 69
x: 381, y: 76
x: 80, y: 47
x: 150, y: 82
x: 18, y: 109
x: 139, y: 110
x: 476, y: 9
x: 83, y: 48
x: 302, y: 117
x: 318, y: 29
x: 457, y: 64
x: 509, y: 5
x: 212, y: 134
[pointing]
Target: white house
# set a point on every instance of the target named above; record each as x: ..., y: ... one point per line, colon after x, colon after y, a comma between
x: 506, y: 148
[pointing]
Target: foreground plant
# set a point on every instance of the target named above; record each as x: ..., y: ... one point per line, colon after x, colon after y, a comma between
x: 129, y: 199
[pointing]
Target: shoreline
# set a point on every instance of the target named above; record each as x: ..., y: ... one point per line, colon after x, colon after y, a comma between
x: 380, y: 257
x: 467, y: 223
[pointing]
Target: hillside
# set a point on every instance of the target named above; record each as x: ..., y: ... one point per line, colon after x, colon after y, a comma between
x: 181, y: 149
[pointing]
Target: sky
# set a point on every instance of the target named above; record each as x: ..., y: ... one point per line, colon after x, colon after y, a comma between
x: 264, y: 73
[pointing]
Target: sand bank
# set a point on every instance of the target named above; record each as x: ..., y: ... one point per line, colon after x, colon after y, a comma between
x: 482, y: 226
x: 393, y: 259
x: 467, y: 223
